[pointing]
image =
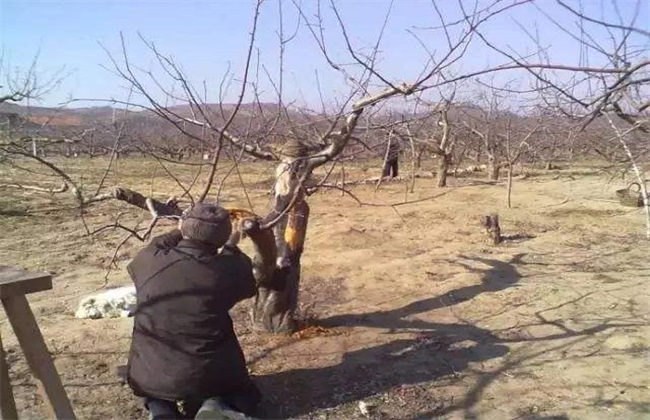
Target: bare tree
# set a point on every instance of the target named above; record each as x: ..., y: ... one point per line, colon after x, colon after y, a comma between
x: 616, y: 90
x: 516, y: 141
x: 19, y: 85
x: 278, y: 267
x: 300, y: 145
x: 483, y: 122
x: 433, y: 133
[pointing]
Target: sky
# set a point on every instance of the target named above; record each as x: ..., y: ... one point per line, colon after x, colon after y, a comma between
x: 209, y: 40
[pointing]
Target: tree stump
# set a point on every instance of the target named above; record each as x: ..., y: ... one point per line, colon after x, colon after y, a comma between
x: 491, y: 224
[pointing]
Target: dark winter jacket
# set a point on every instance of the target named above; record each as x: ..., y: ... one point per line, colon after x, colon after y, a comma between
x: 184, y: 345
x: 394, y: 149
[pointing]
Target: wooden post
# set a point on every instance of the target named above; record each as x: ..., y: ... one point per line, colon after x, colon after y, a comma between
x: 7, y: 403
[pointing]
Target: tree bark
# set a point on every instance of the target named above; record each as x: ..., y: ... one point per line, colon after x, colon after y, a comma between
x: 510, y: 169
x: 277, y: 293
x: 493, y: 168
x: 277, y: 297
x: 265, y: 252
x: 444, y: 163
x: 136, y: 199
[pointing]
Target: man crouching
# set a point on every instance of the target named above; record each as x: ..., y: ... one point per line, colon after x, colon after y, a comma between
x: 185, y: 357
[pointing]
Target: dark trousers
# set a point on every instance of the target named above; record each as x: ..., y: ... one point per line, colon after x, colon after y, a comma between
x: 390, y: 168
x: 169, y: 410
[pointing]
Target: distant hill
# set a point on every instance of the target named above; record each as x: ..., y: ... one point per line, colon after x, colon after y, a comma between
x: 265, y: 124
x: 89, y: 116
x: 144, y: 125
x: 64, y: 117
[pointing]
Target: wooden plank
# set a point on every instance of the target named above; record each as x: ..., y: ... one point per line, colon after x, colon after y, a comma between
x: 7, y: 403
x: 10, y: 274
x: 38, y: 357
x: 14, y: 281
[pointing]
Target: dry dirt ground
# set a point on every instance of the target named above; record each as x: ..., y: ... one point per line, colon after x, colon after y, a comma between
x: 418, y: 317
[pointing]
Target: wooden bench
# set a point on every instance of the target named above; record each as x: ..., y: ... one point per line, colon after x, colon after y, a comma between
x: 14, y: 285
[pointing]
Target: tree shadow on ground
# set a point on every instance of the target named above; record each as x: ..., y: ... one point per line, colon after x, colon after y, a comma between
x: 500, y: 276
x: 369, y: 371
x: 437, y: 351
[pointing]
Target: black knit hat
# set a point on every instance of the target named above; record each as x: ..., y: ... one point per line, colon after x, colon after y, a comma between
x: 207, y: 223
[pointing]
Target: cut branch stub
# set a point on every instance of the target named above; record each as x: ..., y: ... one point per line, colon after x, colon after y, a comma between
x: 170, y: 208
x: 491, y: 224
x: 265, y: 251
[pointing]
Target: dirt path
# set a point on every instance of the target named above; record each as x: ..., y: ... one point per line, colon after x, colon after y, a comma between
x: 421, y: 318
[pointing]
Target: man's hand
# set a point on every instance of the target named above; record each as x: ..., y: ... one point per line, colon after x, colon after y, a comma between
x: 230, y: 249
x: 167, y: 240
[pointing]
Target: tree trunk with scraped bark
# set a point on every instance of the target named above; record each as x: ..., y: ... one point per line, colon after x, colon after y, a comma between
x: 444, y: 162
x: 493, y: 168
x: 277, y: 299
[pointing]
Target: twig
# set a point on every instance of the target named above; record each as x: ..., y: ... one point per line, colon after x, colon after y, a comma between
x: 234, y: 112
x: 63, y: 188
x: 566, y: 200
